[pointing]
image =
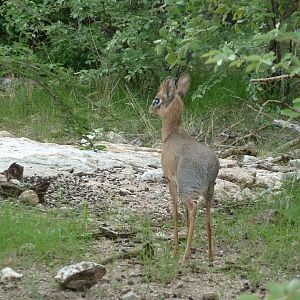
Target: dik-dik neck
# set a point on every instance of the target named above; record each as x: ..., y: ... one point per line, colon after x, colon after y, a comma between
x: 172, y: 118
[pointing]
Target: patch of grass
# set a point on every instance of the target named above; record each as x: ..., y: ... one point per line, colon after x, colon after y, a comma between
x: 265, y: 236
x: 157, y: 258
x: 28, y: 235
x: 210, y: 114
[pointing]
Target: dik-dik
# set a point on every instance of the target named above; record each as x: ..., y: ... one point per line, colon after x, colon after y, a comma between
x: 190, y: 168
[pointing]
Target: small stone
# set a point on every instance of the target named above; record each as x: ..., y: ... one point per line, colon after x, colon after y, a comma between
x: 80, y: 276
x: 124, y: 192
x: 136, y: 142
x: 8, y: 274
x: 130, y: 282
x: 29, y: 197
x: 115, y: 138
x: 295, y: 163
x: 179, y: 285
x: 250, y: 159
x: 130, y: 296
x: 210, y: 296
x: 152, y: 176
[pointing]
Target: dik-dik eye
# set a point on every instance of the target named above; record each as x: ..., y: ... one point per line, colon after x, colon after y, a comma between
x: 156, y: 102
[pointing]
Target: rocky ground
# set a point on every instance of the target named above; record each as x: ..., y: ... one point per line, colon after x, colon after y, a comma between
x: 127, y: 181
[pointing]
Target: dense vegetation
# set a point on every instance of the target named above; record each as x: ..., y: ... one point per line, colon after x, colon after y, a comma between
x: 81, y: 65
x: 102, y: 55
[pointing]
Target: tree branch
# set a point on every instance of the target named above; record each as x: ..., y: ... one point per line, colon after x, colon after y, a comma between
x: 292, y: 7
x: 269, y: 79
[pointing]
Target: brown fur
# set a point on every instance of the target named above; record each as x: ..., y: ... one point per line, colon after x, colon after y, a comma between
x: 190, y: 168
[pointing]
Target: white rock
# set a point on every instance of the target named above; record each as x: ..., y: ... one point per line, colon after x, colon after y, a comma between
x: 152, y: 175
x: 130, y: 296
x: 46, y: 159
x: 238, y: 175
x: 225, y: 190
x: 227, y: 163
x: 8, y: 274
x: 295, y: 163
x: 80, y: 276
x: 29, y: 197
x: 269, y: 179
x: 115, y: 138
x: 250, y: 159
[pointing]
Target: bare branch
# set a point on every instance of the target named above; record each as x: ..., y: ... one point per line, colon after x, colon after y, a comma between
x: 268, y: 79
x: 292, y: 7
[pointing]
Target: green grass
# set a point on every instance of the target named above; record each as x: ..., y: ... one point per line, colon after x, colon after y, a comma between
x: 264, y: 247
x: 28, y: 235
x: 217, y: 104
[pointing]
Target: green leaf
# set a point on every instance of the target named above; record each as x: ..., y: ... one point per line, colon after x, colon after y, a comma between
x: 163, y: 32
x: 277, y: 290
x: 171, y: 59
x: 211, y: 53
x: 160, y: 49
x: 295, y: 70
x: 237, y: 63
x: 248, y: 297
x: 290, y: 113
x: 296, y: 104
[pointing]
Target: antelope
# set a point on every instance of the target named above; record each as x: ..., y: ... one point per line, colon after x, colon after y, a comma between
x: 190, y: 168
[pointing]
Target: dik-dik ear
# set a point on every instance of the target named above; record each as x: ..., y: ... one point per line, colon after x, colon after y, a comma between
x: 183, y: 84
x: 169, y: 88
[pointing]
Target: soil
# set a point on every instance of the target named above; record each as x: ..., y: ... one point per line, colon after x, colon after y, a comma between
x: 113, y: 196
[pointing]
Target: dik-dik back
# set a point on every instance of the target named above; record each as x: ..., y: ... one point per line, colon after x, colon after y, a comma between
x: 191, y: 165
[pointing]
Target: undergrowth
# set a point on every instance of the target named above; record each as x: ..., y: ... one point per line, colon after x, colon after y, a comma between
x: 264, y: 236
x: 218, y: 110
x: 28, y: 235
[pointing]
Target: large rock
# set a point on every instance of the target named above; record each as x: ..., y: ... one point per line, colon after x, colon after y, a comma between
x: 46, y: 159
x: 238, y: 175
x: 29, y: 197
x: 227, y: 163
x: 8, y: 274
x: 80, y: 276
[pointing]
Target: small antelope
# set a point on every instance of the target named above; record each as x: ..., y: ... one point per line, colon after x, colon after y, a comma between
x: 190, y: 168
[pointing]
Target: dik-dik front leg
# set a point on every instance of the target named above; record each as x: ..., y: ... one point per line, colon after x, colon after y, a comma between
x: 173, y: 192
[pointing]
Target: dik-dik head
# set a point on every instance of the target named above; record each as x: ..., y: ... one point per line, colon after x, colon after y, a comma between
x: 169, y: 92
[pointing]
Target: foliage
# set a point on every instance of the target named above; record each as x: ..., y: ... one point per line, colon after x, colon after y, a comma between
x: 270, y: 227
x: 289, y: 290
x: 110, y: 37
x: 262, y: 38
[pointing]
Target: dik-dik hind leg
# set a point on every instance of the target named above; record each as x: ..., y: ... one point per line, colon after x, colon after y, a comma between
x: 191, y: 207
x: 209, y: 227
x: 187, y: 221
x: 173, y: 192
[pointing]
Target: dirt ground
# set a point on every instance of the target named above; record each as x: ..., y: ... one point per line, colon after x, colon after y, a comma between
x: 113, y: 197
